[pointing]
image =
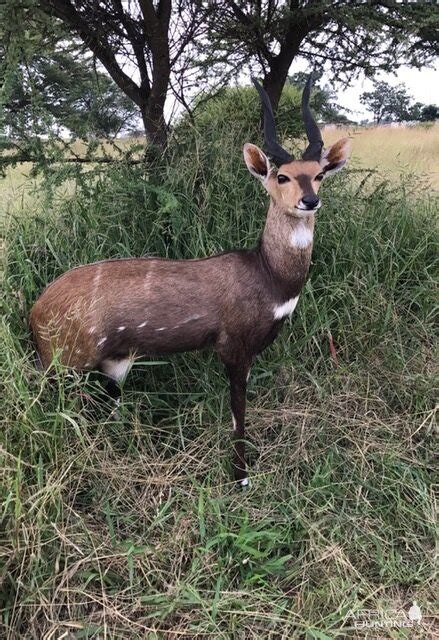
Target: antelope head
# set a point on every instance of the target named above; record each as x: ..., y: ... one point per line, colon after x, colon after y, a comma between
x: 294, y: 186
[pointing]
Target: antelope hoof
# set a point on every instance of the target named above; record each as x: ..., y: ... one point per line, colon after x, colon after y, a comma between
x: 115, y: 415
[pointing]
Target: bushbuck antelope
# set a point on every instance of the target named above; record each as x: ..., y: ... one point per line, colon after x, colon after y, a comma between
x: 102, y: 316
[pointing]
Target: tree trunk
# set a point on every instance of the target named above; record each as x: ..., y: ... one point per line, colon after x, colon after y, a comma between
x: 153, y: 37
x: 153, y: 106
x: 273, y: 84
x: 154, y: 124
x: 279, y: 65
x: 275, y: 79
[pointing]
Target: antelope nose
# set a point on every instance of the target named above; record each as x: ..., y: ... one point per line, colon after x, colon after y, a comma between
x: 311, y: 201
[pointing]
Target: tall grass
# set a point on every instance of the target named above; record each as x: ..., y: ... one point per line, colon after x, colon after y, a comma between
x: 132, y: 528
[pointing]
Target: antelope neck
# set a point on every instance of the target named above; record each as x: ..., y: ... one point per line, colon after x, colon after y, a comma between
x: 286, y: 246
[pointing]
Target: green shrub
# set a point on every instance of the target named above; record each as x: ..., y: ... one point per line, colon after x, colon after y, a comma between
x: 233, y: 118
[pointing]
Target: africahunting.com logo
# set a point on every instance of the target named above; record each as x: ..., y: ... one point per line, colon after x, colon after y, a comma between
x: 387, y: 618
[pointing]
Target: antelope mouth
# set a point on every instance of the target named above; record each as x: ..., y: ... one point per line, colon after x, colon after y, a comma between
x: 305, y: 209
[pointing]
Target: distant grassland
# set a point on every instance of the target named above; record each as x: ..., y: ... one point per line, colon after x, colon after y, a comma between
x: 393, y: 150
x: 390, y: 150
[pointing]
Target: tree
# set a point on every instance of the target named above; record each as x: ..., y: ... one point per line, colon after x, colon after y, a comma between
x: 51, y: 89
x: 138, y: 43
x: 429, y: 113
x: 151, y: 48
x: 349, y: 36
x: 387, y: 102
x: 394, y: 104
x: 416, y: 111
x: 424, y: 112
x: 74, y: 97
x: 398, y: 104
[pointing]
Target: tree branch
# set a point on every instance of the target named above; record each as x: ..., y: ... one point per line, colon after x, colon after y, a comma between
x: 138, y: 42
x: 65, y: 11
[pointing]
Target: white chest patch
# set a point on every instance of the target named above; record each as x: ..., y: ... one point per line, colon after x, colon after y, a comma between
x: 301, y: 237
x: 285, y: 309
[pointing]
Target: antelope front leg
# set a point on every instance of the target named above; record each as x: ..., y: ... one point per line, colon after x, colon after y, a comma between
x: 238, y: 386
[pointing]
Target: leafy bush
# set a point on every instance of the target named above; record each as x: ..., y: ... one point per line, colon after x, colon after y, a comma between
x: 233, y: 117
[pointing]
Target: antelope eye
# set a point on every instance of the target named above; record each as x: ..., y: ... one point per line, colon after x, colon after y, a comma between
x: 281, y: 178
x: 319, y: 177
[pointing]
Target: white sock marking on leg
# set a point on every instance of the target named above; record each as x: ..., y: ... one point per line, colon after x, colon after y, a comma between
x: 116, y: 369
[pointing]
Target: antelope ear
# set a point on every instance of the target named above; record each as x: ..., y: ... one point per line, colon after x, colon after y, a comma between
x: 256, y: 161
x: 335, y: 157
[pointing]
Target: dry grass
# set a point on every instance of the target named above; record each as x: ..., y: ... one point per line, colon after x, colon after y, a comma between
x: 394, y: 150
x: 16, y: 190
x: 389, y: 150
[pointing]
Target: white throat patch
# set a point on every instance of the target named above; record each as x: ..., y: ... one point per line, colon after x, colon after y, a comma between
x: 301, y: 236
x: 282, y: 310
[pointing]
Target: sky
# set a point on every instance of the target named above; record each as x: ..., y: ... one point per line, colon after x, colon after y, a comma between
x: 422, y: 85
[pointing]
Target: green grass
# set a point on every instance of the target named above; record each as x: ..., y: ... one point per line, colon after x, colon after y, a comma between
x: 132, y: 528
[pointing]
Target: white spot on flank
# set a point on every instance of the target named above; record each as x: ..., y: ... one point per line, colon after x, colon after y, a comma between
x: 116, y: 369
x: 244, y: 482
x: 101, y: 341
x: 142, y: 324
x: 285, y: 309
x: 301, y: 236
x: 121, y: 328
x: 194, y: 317
x: 148, y: 278
x: 96, y: 282
x: 234, y: 422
